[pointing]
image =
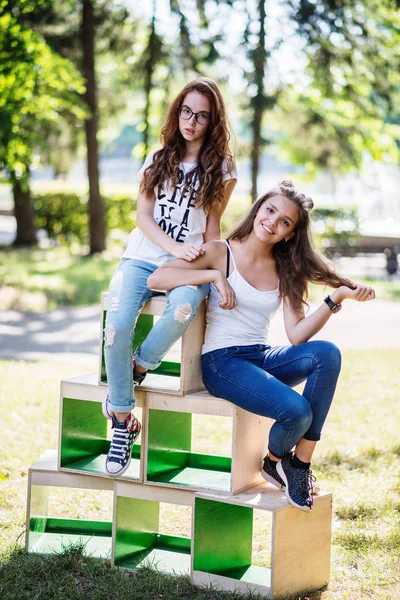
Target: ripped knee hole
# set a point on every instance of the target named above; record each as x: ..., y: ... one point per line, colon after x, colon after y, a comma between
x: 183, y: 312
x: 109, y: 335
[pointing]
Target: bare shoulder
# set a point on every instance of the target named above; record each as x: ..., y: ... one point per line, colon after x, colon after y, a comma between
x: 216, y: 253
x: 217, y: 247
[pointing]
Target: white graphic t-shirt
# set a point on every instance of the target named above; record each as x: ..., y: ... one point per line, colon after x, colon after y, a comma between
x: 176, y: 214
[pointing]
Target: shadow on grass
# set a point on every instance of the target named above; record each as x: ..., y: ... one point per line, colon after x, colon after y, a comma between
x: 72, y: 575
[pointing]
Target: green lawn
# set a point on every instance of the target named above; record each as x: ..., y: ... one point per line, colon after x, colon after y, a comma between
x: 358, y: 460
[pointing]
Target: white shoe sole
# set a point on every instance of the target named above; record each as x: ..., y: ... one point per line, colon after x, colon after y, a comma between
x: 272, y: 480
x: 121, y: 472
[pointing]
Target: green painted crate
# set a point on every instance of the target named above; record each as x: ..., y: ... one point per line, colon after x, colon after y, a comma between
x: 137, y: 537
x: 170, y: 460
x: 84, y: 431
x: 179, y: 375
x: 222, y: 539
x: 46, y: 533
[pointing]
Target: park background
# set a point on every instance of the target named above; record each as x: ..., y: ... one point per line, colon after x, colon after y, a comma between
x: 312, y: 90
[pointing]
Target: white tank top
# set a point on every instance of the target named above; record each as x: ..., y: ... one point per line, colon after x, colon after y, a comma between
x: 247, y: 323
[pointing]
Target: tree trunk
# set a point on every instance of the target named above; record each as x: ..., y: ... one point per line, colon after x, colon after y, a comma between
x: 148, y: 81
x: 97, y: 232
x: 260, y: 57
x: 23, y: 211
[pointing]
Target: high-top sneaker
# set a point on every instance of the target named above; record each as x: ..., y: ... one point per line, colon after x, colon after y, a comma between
x: 120, y: 453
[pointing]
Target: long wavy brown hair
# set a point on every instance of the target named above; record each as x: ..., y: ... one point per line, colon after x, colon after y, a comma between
x: 214, y: 151
x: 297, y: 261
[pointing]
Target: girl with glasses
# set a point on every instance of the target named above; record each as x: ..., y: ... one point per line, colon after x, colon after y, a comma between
x: 184, y: 189
x: 267, y: 260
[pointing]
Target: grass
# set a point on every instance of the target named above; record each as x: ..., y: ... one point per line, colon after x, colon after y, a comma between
x: 358, y: 460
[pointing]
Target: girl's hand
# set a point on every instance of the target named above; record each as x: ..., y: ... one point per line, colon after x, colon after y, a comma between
x: 228, y: 295
x: 361, y: 293
x: 188, y: 252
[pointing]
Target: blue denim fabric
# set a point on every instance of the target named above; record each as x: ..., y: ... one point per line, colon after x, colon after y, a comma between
x: 127, y: 295
x: 259, y: 379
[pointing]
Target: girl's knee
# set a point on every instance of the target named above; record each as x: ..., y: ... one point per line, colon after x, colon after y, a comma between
x: 119, y: 330
x: 183, y: 312
x: 331, y: 355
x: 184, y: 302
x: 300, y: 417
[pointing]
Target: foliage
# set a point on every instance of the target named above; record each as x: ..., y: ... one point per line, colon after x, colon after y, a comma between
x: 342, y: 105
x: 64, y: 216
x: 335, y: 225
x: 37, y: 87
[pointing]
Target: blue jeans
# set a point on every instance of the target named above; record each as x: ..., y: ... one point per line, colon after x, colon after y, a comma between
x: 128, y: 294
x: 259, y: 379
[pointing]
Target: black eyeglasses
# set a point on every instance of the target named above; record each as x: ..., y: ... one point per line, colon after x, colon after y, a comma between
x: 201, y: 117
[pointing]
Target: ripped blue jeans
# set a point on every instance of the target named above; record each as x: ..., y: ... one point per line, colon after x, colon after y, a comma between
x: 128, y: 294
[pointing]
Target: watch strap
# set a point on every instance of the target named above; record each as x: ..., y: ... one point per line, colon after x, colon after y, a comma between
x: 332, y: 305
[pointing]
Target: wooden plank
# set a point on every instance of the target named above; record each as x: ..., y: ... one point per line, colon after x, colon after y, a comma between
x: 85, y: 387
x: 199, y: 402
x: 192, y: 341
x: 155, y: 493
x: 37, y: 512
x: 262, y: 497
x: 249, y: 446
x: 44, y: 472
x: 301, y: 547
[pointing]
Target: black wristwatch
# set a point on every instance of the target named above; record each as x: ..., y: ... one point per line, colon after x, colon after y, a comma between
x: 332, y: 305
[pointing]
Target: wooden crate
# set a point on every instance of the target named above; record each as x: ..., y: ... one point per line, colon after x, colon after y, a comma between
x: 137, y: 539
x: 169, y: 459
x: 179, y: 375
x: 222, y: 543
x: 83, y: 430
x: 46, y: 533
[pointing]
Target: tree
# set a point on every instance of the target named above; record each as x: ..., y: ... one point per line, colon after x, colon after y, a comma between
x: 352, y: 81
x: 258, y: 102
x: 83, y: 32
x: 97, y: 227
x: 36, y: 87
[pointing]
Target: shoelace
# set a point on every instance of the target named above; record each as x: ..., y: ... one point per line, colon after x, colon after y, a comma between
x: 120, y: 443
x: 311, y: 479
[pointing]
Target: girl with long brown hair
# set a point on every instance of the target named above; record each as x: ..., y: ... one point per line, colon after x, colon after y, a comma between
x: 184, y: 189
x: 269, y: 259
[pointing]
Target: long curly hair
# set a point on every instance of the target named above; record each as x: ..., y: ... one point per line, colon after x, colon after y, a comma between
x: 297, y: 262
x: 214, y: 151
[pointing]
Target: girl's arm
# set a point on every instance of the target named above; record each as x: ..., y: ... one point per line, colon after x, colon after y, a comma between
x: 208, y: 268
x: 213, y: 228
x: 146, y: 223
x: 300, y: 328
